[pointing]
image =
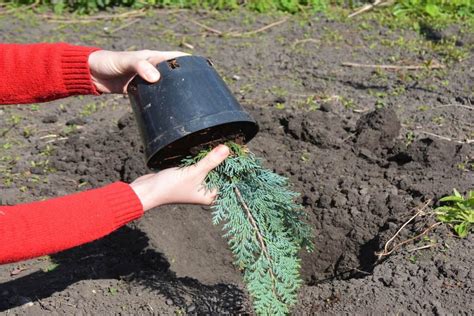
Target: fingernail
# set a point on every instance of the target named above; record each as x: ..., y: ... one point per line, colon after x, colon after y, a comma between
x: 152, y: 75
x: 222, y: 150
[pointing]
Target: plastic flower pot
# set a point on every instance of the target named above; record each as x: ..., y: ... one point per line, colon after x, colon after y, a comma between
x: 188, y: 109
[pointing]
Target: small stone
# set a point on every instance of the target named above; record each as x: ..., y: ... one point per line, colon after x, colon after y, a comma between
x: 363, y: 190
x: 36, y: 170
x: 324, y: 201
x: 49, y: 119
x: 279, y: 100
x: 326, y: 107
x: 236, y: 78
x: 169, y: 302
x: 76, y: 121
x: 191, y: 308
x: 81, y: 169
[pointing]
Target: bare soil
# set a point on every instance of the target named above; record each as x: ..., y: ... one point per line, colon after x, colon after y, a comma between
x: 365, y: 148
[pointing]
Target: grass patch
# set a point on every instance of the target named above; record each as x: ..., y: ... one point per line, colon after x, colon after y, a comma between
x: 90, y: 6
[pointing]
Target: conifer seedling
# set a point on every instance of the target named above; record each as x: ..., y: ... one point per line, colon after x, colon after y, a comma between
x: 264, y: 227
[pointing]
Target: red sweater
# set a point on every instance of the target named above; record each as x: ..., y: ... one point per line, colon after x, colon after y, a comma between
x: 43, y: 72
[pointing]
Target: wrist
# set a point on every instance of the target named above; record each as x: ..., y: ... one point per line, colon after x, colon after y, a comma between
x: 94, y: 65
x: 144, y: 188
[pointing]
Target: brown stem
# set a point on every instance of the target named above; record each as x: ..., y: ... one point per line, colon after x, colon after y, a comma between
x: 255, y: 227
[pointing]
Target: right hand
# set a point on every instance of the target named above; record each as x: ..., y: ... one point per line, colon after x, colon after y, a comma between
x: 180, y: 185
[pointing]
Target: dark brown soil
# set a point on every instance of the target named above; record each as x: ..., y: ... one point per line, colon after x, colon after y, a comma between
x: 364, y: 148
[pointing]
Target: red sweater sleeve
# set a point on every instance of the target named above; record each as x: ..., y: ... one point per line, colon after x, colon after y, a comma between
x: 43, y: 72
x: 40, y: 228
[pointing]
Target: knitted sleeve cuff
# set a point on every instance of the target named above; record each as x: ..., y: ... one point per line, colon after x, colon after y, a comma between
x: 124, y: 204
x: 75, y: 69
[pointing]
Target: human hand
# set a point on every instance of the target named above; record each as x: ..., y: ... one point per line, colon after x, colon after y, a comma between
x: 112, y: 71
x: 180, y: 185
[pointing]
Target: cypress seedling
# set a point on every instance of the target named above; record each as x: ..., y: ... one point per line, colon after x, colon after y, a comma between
x: 264, y: 227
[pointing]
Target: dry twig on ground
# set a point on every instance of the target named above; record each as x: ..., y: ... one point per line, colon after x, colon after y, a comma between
x: 238, y: 34
x: 430, y: 65
x: 370, y: 6
x: 467, y: 141
x: 303, y: 41
x: 94, y: 18
x: 421, y: 211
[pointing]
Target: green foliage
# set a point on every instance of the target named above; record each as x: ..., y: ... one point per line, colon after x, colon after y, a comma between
x: 264, y: 228
x: 88, y: 6
x: 459, y: 212
x: 435, y: 9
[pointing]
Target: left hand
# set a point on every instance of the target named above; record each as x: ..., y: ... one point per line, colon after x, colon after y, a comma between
x: 112, y: 71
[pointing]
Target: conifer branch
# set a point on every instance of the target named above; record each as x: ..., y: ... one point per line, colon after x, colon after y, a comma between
x: 264, y: 227
x: 263, y: 246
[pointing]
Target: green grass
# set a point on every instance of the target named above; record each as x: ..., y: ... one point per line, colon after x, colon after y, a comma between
x: 406, y: 13
x: 89, y: 6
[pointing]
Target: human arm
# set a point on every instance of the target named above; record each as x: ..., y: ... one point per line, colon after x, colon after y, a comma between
x: 43, y: 72
x: 39, y: 228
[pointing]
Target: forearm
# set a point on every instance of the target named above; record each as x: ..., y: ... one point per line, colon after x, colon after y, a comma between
x: 43, y: 72
x: 46, y: 227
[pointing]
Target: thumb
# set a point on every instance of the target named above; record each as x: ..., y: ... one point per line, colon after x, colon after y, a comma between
x: 213, y: 159
x: 147, y: 71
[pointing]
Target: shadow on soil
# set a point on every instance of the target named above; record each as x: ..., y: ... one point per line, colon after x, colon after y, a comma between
x: 124, y: 255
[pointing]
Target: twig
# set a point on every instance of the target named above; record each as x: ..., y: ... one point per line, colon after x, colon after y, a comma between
x: 237, y: 34
x: 414, y: 238
x: 186, y: 45
x: 66, y: 20
x: 422, y: 247
x: 433, y: 65
x: 55, y: 140
x: 386, y: 252
x: 41, y: 304
x: 255, y: 227
x: 361, y: 271
x: 207, y: 28
x: 23, y: 8
x: 48, y: 136
x: 7, y: 130
x: 262, y: 29
x: 468, y: 141
x: 252, y: 222
x: 306, y: 40
x: 348, y: 137
x: 456, y: 105
x: 368, y: 7
x: 123, y: 26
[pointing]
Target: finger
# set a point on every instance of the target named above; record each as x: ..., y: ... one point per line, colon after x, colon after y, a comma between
x: 213, y: 159
x: 210, y: 197
x: 147, y: 71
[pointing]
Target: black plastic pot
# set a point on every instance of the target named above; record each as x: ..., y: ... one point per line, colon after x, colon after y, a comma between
x: 188, y: 109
